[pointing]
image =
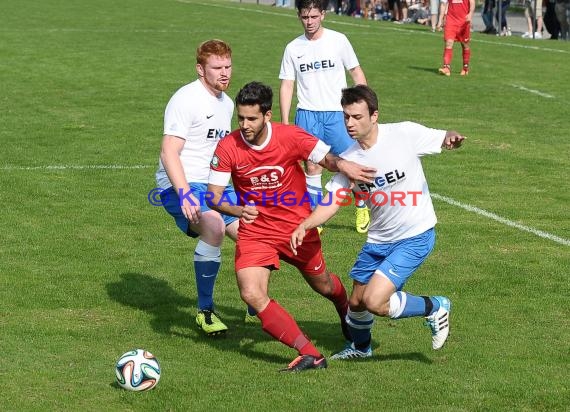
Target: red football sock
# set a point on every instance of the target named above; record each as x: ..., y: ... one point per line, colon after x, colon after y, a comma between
x: 338, y: 297
x: 447, y: 56
x: 276, y: 322
x: 466, y: 56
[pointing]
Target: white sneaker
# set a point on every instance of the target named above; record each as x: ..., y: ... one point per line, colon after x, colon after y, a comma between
x: 350, y: 352
x: 438, y: 322
x: 538, y: 36
x: 526, y: 35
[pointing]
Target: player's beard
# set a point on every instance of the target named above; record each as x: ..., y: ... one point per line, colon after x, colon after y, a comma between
x: 222, y: 87
x: 255, y: 136
x: 216, y: 86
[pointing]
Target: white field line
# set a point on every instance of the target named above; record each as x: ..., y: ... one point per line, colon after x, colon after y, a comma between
x: 267, y: 12
x: 356, y: 24
x: 76, y: 167
x: 541, y: 94
x: 464, y: 206
x: 502, y: 220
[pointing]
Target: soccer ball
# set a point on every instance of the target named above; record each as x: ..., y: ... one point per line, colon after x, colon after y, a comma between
x: 137, y: 370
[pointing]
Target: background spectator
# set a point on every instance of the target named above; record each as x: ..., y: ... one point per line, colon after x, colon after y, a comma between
x: 562, y: 9
x: 533, y: 20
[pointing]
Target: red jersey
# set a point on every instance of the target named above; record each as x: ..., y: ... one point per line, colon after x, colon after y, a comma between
x: 270, y: 176
x: 457, y: 11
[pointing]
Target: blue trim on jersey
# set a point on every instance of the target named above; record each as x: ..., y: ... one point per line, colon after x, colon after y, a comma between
x: 327, y: 126
x: 171, y: 203
x: 397, y: 260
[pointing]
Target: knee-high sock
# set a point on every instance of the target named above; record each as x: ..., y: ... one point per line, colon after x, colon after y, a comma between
x: 466, y: 56
x: 276, y: 322
x: 207, y: 260
x: 447, y: 56
x: 405, y: 305
x: 360, y: 326
x: 340, y: 301
x: 315, y: 189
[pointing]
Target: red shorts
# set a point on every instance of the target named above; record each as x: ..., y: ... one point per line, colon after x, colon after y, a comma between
x: 457, y: 32
x: 267, y: 253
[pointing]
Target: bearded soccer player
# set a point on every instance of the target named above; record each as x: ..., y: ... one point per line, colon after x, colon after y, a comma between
x: 458, y: 18
x: 262, y: 159
x: 197, y: 116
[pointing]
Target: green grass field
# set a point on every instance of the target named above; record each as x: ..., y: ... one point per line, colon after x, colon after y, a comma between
x: 89, y: 270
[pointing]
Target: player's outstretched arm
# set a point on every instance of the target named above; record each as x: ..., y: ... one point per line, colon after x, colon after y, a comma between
x: 352, y: 170
x: 322, y: 213
x: 452, y: 140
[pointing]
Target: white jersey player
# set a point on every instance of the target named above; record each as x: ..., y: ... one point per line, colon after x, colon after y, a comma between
x: 197, y: 116
x: 401, y: 234
x: 318, y: 61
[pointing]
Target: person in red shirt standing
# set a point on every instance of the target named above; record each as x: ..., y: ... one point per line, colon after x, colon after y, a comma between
x: 262, y: 159
x: 458, y: 17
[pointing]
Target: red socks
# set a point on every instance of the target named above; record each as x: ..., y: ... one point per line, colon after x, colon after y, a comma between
x: 447, y: 56
x: 339, y: 297
x: 466, y: 56
x: 276, y: 322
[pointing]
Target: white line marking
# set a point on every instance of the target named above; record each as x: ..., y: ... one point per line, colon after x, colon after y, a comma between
x: 502, y: 220
x: 294, y: 16
x: 356, y: 24
x: 445, y: 199
x: 517, y: 86
x: 76, y: 167
x: 521, y: 46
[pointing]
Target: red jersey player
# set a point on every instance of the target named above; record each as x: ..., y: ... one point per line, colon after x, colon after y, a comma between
x: 458, y: 17
x: 262, y: 158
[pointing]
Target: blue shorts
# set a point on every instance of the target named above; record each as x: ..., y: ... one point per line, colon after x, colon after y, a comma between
x: 327, y: 126
x: 171, y: 203
x: 397, y: 261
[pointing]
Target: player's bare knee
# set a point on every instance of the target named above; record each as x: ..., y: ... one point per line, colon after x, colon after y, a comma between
x: 212, y: 229
x: 251, y: 296
x: 323, y: 288
x: 376, y: 305
x: 355, y: 303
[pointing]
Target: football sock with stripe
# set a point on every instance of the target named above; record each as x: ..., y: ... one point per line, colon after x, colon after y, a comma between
x: 405, y: 305
x: 360, y: 325
x: 315, y: 189
x: 207, y: 261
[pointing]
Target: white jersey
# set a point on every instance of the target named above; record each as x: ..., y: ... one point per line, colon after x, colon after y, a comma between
x: 399, y: 199
x: 201, y: 119
x: 319, y: 66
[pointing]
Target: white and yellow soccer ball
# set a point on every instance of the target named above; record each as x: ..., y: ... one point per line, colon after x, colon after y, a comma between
x: 137, y: 370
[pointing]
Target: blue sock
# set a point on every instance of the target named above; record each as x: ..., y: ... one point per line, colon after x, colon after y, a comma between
x: 359, y: 326
x: 207, y: 261
x: 405, y: 305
